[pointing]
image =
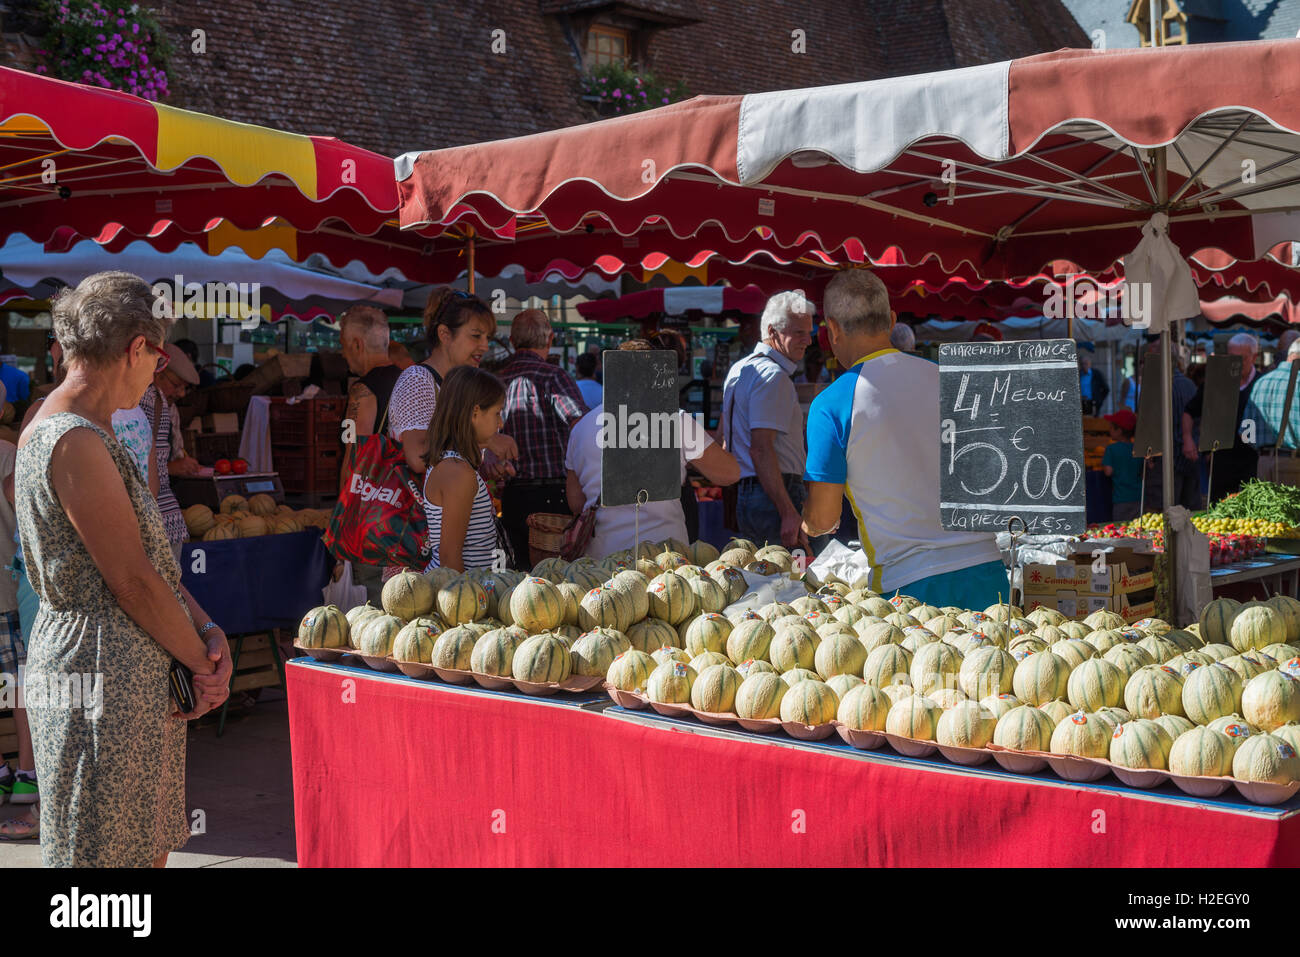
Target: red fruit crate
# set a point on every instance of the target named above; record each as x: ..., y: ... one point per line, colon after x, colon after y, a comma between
x: 309, y: 423
x: 307, y: 471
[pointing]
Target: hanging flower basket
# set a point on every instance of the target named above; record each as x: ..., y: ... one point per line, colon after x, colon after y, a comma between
x: 101, y: 44
x: 615, y: 89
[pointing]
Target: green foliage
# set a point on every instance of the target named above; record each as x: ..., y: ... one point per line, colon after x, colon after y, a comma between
x: 620, y: 89
x: 99, y: 44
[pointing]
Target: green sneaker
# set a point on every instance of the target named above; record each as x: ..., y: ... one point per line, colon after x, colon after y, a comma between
x: 24, y: 790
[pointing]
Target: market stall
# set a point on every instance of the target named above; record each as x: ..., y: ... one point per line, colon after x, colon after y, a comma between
x: 525, y: 782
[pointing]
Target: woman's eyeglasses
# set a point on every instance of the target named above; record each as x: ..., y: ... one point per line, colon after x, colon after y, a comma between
x: 163, y: 357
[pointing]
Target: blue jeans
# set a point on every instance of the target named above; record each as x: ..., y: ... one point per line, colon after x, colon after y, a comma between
x: 756, y: 515
x: 975, y: 588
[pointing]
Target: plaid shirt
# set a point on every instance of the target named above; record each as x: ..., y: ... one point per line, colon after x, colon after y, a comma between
x: 1267, y: 400
x: 542, y: 403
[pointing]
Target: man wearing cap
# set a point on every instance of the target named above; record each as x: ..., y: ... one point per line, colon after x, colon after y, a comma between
x: 1125, y: 471
x: 159, y: 408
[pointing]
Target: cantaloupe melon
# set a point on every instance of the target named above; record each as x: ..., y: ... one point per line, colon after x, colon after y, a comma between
x: 1234, y: 726
x: 760, y: 694
x: 377, y: 635
x: 1128, y: 659
x: 324, y: 627
x: 1000, y: 704
x: 593, y: 653
x: 651, y: 634
x: 463, y: 600
x: 986, y: 671
x: 1095, y: 684
x: 842, y: 684
x: 1040, y: 678
x: 1175, y: 724
x: 1271, y: 699
x: 839, y: 654
x: 1024, y: 728
x: 536, y: 605
x: 454, y: 648
x: 1255, y: 627
x: 707, y: 658
x: 631, y: 671
x: 795, y: 646
x: 967, y: 724
x: 1154, y: 690
x: 810, y: 702
x: 915, y: 716
x: 1266, y: 757
x: 1082, y: 734
x: 415, y: 641
x: 494, y: 651
x: 1074, y: 651
x: 863, y: 708
x: 1210, y: 692
x: 1140, y: 744
x: 714, y: 689
x: 708, y: 632
x: 1289, y: 609
x: 409, y: 595
x: 751, y: 638
x: 934, y: 666
x: 543, y: 658
x: 1057, y: 709
x: 1201, y: 751
x: 946, y: 698
x: 1216, y: 620
x: 670, y: 653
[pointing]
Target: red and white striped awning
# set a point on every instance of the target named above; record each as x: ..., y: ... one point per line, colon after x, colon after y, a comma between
x: 675, y: 301
x: 1000, y: 167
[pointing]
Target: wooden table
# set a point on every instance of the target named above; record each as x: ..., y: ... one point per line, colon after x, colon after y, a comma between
x: 1277, y: 572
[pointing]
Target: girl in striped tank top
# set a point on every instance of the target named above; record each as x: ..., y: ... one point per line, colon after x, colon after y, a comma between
x: 462, y: 519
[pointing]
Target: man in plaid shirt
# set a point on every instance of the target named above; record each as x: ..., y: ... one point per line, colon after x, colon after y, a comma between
x: 542, y: 404
x: 1268, y: 400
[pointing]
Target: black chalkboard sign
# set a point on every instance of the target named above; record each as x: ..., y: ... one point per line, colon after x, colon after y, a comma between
x: 1149, y: 439
x: 1011, y: 437
x: 1219, y: 404
x: 640, y: 436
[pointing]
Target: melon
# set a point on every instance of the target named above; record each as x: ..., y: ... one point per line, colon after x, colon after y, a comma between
x: 359, y: 614
x: 1114, y: 716
x: 935, y: 666
x: 221, y: 531
x: 494, y: 651
x: 1045, y: 616
x: 753, y: 666
x: 670, y: 653
x: 795, y: 646
x: 863, y: 708
x: 670, y: 683
x: 709, y: 595
x: 877, y: 607
x: 253, y: 526
x: 707, y: 658
x: 1266, y: 757
x: 1281, y: 652
x: 536, y: 605
x: 897, y: 692
x: 916, y: 637
x: 874, y: 633
x: 1024, y: 728
x: 543, y: 659
x: 233, y: 503
x: 915, y: 716
x: 1056, y: 709
x: 701, y: 553
x: 946, y: 698
x: 1095, y: 684
x: 1188, y: 662
x: 1290, y: 733
x: 1022, y: 646
x: 464, y: 600
x: 409, y: 595
x: 779, y: 609
x: 1211, y: 692
x: 809, y: 603
x: 750, y: 638
x: 708, y: 632
x: 440, y: 577
x: 1128, y: 659
x: 1050, y: 634
x: 887, y: 665
x: 1216, y: 620
x: 671, y: 598
x: 1289, y: 609
x: 603, y: 608
x: 1201, y: 752
x: 1234, y: 726
x: 634, y: 585
x: 1104, y: 619
x: 631, y: 671
x: 736, y: 557
x: 810, y: 702
x: 1104, y: 640
x: 732, y: 579
x: 324, y: 627
x: 1271, y: 699
x: 940, y: 625
x: 198, y: 520
x: 571, y: 593
x: 1140, y: 744
x: 1175, y: 724
x: 1255, y: 627
x: 1154, y: 690
x: 1075, y: 629
x: 842, y: 684
x: 839, y: 655
x: 1247, y: 665
x: 795, y: 675
x: 1041, y: 677
x: 986, y: 671
x: 1074, y: 651
x: 966, y: 724
x: 593, y: 653
x: 585, y: 577
x: 415, y: 641
x: 454, y: 648
x: 651, y: 634
x: 760, y: 695
x: 1082, y: 734
x: 377, y: 635
x: 1216, y: 651
x: 1160, y: 648
x: 552, y: 569
x: 852, y: 614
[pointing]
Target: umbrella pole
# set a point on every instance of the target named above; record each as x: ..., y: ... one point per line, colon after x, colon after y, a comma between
x: 469, y: 259
x: 1167, y: 405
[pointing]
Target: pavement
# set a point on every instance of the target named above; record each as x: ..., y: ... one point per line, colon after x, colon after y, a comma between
x: 239, y: 789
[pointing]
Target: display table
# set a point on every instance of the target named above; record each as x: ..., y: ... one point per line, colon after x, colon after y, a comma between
x: 1280, y: 573
x: 256, y: 584
x: 392, y: 771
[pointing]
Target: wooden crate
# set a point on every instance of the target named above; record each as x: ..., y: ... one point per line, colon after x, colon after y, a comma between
x: 256, y: 665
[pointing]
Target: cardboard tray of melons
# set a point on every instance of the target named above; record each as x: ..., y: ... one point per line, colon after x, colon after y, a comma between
x: 635, y: 701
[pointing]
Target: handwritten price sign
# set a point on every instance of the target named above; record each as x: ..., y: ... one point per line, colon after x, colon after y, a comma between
x: 1011, y: 434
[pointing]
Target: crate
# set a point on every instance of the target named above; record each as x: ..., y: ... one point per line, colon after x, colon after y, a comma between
x: 278, y: 368
x: 228, y: 397
x: 257, y: 665
x: 308, y: 424
x: 308, y: 470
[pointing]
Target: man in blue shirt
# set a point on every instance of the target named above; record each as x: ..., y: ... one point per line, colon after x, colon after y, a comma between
x: 16, y: 382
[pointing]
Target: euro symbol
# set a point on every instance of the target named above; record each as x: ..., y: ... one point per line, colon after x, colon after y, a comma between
x: 1015, y: 439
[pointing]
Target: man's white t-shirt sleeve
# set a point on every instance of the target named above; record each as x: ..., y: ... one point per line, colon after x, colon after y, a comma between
x: 768, y: 402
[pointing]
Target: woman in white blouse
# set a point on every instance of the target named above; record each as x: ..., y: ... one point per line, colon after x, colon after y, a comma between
x: 617, y: 526
x: 459, y: 328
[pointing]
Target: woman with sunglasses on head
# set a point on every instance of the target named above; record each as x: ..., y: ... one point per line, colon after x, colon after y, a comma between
x: 112, y: 607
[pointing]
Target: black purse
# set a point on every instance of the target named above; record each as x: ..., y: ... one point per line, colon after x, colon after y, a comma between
x: 181, y: 681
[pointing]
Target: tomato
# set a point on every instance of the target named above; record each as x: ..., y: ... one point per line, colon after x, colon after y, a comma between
x: 222, y: 467
x: 239, y: 467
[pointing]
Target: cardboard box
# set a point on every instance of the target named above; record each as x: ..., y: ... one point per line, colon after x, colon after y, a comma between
x: 221, y: 422
x: 1077, y: 607
x: 1135, y: 573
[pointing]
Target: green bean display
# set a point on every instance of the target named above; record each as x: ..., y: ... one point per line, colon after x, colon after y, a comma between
x: 1262, y: 500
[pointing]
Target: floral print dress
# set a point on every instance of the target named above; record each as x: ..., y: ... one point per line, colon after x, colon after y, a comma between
x: 112, y: 774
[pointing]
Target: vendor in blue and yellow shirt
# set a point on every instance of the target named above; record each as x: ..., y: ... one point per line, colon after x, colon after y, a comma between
x: 873, y: 436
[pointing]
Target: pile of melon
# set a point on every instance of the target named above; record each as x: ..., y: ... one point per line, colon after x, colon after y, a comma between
x: 239, y: 517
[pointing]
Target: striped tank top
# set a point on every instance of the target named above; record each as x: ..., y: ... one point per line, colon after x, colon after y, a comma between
x: 480, y: 537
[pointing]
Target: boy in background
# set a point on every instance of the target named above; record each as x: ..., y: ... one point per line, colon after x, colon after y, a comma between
x: 1125, y: 471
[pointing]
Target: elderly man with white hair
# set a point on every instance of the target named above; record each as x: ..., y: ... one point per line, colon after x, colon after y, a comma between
x: 1238, y: 462
x: 763, y: 424
x: 873, y: 437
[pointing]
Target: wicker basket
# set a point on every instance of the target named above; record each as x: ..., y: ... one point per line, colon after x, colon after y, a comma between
x: 546, y: 535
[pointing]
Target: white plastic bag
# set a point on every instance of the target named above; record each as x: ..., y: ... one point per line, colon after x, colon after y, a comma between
x: 343, y: 593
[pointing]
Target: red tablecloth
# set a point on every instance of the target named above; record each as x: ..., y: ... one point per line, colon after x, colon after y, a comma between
x: 388, y: 771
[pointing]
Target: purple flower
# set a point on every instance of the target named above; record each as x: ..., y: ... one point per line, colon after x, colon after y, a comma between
x: 41, y: 69
x: 100, y: 37
x: 86, y: 51
x: 86, y: 75
x: 665, y: 99
x: 643, y: 94
x: 144, y: 59
x: 135, y: 28
x: 101, y: 47
x: 99, y: 56
x: 617, y: 93
x: 121, y: 22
